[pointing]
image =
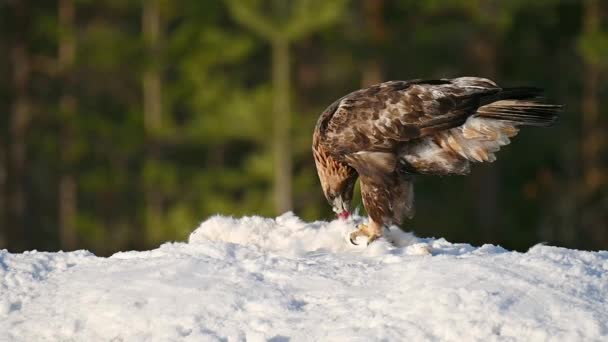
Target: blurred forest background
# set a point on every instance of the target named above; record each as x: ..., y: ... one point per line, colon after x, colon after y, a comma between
x: 125, y: 123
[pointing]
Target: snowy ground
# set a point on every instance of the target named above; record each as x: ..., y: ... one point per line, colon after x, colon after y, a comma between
x: 282, y: 279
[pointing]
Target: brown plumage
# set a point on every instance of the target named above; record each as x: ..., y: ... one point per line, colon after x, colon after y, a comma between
x: 387, y: 133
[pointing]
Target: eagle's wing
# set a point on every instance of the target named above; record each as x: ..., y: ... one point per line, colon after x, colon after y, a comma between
x: 375, y: 118
x: 433, y: 127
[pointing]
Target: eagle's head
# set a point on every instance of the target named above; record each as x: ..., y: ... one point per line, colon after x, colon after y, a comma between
x: 337, y: 180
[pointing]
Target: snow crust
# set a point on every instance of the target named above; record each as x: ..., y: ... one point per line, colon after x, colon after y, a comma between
x: 263, y: 279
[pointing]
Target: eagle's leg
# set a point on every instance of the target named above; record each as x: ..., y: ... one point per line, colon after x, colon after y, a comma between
x: 373, y: 230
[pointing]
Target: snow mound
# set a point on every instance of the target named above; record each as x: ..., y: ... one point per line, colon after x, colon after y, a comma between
x: 288, y: 235
x: 262, y: 279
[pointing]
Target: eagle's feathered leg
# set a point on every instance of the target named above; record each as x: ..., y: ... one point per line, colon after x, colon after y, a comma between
x: 387, y: 192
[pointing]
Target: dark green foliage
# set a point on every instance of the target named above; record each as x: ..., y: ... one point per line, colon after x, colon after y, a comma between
x: 213, y: 152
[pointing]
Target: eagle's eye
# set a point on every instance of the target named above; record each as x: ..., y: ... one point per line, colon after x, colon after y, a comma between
x: 331, y: 197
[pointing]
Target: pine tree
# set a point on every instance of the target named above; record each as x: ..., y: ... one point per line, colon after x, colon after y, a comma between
x: 152, y: 28
x: 281, y: 23
x: 20, y: 115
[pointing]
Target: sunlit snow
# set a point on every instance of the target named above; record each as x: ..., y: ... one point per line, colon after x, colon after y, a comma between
x: 263, y: 279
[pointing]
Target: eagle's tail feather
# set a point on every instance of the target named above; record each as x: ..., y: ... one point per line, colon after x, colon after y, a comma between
x: 521, y: 105
x: 515, y: 93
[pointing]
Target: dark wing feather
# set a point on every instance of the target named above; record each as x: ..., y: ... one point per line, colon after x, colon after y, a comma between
x: 375, y: 118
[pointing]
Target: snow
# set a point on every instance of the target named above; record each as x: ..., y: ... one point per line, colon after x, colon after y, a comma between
x: 263, y: 279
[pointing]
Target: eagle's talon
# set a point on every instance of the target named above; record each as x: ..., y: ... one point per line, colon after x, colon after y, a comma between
x: 363, y: 230
x: 353, y: 237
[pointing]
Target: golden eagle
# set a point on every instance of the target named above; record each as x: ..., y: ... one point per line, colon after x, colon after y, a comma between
x: 390, y: 132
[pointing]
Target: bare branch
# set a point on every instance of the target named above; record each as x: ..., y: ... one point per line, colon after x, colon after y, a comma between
x: 245, y: 13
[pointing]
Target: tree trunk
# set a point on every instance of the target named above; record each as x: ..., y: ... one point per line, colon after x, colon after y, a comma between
x: 374, y: 16
x: 591, y: 213
x: 486, y: 183
x: 152, y: 111
x: 591, y: 138
x: 282, y: 126
x: 19, y: 119
x: 3, y: 223
x: 151, y: 79
x: 68, y: 186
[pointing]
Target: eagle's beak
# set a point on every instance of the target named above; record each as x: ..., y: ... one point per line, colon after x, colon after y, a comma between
x: 340, y: 208
x: 343, y: 215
